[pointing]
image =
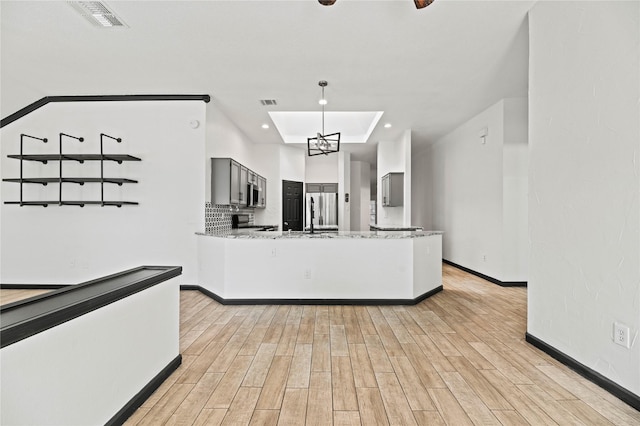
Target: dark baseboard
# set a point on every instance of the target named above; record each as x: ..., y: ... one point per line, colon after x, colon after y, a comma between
x: 607, y: 384
x: 32, y: 286
x: 426, y: 295
x: 348, y: 302
x: 130, y: 407
x: 486, y: 277
x: 97, y: 98
x: 206, y: 293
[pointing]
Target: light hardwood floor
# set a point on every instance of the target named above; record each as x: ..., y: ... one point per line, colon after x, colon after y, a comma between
x: 458, y: 358
x: 9, y: 296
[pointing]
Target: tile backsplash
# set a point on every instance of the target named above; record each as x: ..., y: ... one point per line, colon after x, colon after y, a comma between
x: 217, y: 217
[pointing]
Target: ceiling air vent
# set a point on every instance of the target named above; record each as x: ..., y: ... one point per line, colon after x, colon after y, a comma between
x: 97, y: 13
x: 268, y: 102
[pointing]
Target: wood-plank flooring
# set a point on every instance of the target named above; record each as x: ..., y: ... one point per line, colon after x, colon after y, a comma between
x: 10, y: 296
x: 457, y: 358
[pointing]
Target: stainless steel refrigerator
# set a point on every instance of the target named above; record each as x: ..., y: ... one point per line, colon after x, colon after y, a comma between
x: 325, y: 208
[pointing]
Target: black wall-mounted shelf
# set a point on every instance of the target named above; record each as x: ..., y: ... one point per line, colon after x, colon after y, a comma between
x: 81, y: 158
x: 60, y: 180
x: 73, y: 203
x: 78, y: 180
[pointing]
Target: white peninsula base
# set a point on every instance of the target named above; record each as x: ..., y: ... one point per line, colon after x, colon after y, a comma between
x: 377, y: 268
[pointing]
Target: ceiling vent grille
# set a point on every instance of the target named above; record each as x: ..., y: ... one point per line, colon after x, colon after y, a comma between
x: 97, y: 13
x: 268, y: 102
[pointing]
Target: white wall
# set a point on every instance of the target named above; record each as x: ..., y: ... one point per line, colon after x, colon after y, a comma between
x: 476, y: 192
x: 267, y: 163
x: 360, y: 193
x: 321, y: 169
x: 68, y: 244
x: 395, y: 156
x: 467, y: 190
x: 515, y: 168
x: 82, y: 372
x: 584, y: 183
x: 344, y: 186
x: 406, y: 209
x: 292, y: 164
x: 225, y: 139
x: 272, y: 161
x: 422, y: 171
x: 354, y: 195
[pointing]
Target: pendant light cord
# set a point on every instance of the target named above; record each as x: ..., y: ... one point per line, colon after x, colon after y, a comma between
x: 323, y: 110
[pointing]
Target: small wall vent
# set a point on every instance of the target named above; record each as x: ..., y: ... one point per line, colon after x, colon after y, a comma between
x: 268, y: 102
x: 97, y: 13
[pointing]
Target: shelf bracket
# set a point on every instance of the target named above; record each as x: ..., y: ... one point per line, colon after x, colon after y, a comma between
x: 102, y: 136
x: 22, y: 137
x: 80, y: 139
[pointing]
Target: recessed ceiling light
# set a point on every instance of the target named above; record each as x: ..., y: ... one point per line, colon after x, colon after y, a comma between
x: 265, y: 126
x: 386, y: 126
x: 322, y: 101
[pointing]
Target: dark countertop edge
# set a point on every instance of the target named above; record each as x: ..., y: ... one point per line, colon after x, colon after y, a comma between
x: 36, y: 314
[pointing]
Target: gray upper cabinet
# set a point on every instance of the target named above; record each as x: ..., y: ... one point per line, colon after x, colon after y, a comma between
x: 226, y: 182
x: 392, y: 185
x: 322, y: 187
x: 314, y: 187
x: 252, y: 177
x: 262, y: 192
x: 244, y: 178
x: 230, y: 181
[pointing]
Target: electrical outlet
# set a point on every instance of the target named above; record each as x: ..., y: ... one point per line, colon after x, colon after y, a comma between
x: 484, y: 257
x: 621, y: 334
x: 307, y: 274
x: 274, y: 252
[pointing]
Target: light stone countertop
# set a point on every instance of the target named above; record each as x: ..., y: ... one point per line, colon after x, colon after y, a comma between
x: 322, y: 235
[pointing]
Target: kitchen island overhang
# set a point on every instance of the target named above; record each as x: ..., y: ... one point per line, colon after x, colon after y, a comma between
x: 344, y: 268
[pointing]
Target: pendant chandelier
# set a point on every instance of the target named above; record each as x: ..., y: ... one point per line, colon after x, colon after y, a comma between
x: 420, y: 4
x: 323, y: 144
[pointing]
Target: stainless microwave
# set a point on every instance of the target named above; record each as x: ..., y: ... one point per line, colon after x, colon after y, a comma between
x: 253, y: 195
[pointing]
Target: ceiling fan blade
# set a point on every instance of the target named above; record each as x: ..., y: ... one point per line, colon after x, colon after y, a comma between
x: 326, y: 2
x: 420, y: 4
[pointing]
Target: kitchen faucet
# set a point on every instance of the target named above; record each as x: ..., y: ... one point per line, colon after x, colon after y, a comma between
x: 312, y: 214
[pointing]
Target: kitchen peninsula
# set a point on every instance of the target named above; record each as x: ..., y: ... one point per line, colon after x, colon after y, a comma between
x: 374, y: 267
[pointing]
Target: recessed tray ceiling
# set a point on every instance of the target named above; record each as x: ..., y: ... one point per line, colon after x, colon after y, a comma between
x: 297, y: 126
